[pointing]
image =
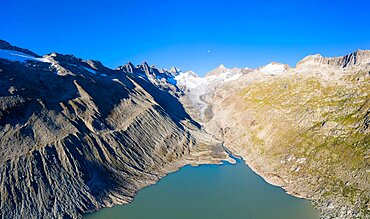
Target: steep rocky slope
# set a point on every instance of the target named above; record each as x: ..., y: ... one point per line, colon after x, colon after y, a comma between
x: 305, y: 129
x: 76, y: 136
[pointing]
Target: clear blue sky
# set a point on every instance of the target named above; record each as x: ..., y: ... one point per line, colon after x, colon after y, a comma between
x: 190, y: 34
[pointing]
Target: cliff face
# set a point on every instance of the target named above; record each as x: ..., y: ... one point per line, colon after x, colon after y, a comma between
x: 356, y: 58
x: 305, y: 129
x: 77, y: 136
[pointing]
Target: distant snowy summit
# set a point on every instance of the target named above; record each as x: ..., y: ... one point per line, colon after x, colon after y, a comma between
x: 177, y: 82
x: 173, y: 79
x: 274, y: 68
x: 222, y: 69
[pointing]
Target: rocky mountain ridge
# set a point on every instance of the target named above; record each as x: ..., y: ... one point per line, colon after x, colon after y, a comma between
x: 7, y: 46
x: 77, y: 136
x: 355, y: 58
x: 305, y: 129
x: 88, y: 136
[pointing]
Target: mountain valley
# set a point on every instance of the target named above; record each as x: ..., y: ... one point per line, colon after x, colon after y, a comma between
x: 76, y: 136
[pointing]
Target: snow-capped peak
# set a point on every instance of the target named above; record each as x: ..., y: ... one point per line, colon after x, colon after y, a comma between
x: 274, y: 68
x: 221, y: 69
x: 222, y: 66
x: 174, y: 70
x: 217, y: 71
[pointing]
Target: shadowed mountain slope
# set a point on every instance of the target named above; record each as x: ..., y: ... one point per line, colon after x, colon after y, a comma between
x: 77, y: 136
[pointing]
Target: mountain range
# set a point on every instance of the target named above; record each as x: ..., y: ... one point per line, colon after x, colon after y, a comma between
x: 76, y: 136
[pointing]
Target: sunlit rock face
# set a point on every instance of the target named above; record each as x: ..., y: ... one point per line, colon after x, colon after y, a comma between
x: 77, y: 136
x: 305, y: 128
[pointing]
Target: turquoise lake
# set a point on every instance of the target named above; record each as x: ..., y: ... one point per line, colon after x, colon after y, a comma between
x: 224, y: 191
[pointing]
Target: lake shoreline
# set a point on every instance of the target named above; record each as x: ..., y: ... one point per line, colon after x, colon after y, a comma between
x: 204, y: 187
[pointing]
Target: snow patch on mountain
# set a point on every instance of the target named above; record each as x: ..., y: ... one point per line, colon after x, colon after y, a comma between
x: 196, y: 86
x: 191, y: 80
x: 90, y: 70
x: 273, y: 68
x: 17, y: 56
x: 233, y: 77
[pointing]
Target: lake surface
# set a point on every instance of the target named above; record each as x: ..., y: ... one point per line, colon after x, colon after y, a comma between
x: 211, y: 191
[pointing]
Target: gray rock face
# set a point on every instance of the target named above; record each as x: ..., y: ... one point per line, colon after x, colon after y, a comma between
x: 76, y: 136
x: 305, y: 129
x: 356, y: 58
x: 161, y: 78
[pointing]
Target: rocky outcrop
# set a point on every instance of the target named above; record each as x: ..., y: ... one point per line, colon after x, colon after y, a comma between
x: 356, y: 58
x: 77, y: 136
x: 162, y: 78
